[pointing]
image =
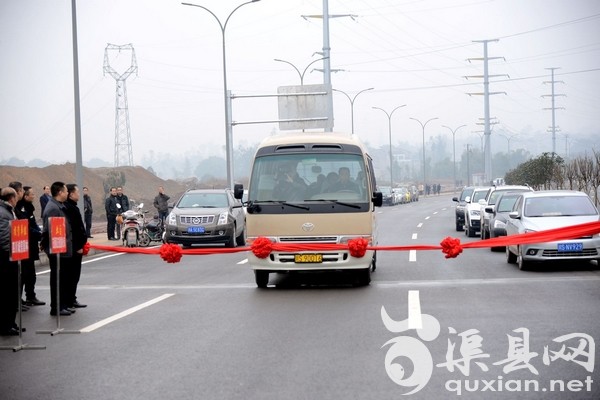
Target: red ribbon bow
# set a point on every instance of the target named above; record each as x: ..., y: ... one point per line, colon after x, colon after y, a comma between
x: 451, y: 247
x: 358, y: 247
x: 171, y: 253
x: 262, y: 247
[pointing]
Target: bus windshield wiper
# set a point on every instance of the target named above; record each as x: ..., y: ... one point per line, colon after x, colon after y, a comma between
x: 341, y: 203
x: 285, y: 203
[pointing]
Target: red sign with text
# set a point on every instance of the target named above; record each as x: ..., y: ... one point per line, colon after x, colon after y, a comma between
x: 58, y: 235
x: 19, y: 239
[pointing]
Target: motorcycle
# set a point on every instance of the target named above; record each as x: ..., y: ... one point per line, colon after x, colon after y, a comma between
x: 131, y: 226
x: 153, y: 231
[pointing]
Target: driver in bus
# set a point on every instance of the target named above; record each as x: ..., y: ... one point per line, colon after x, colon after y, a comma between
x: 344, y: 182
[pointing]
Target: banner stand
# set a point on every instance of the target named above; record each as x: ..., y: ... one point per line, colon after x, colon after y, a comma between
x: 58, y: 329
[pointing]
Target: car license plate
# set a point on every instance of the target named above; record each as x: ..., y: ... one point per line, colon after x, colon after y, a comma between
x: 308, y: 258
x: 570, y: 247
x: 195, y: 229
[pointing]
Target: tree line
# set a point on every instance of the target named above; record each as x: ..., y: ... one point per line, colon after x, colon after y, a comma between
x: 550, y: 171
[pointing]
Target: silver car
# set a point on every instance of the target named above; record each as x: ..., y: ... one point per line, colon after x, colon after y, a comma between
x: 543, y: 210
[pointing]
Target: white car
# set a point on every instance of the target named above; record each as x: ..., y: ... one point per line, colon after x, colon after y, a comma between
x: 473, y: 211
x: 550, y: 209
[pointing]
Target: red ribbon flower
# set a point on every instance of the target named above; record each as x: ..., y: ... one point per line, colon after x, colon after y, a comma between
x: 262, y: 247
x: 358, y: 247
x: 451, y: 247
x: 86, y: 248
x: 171, y: 253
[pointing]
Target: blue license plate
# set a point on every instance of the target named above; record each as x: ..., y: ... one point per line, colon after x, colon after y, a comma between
x: 570, y: 247
x: 195, y: 229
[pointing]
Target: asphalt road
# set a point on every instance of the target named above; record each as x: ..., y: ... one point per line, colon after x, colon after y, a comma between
x: 200, y: 329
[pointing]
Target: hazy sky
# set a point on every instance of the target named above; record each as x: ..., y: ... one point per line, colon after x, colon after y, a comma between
x: 412, y: 52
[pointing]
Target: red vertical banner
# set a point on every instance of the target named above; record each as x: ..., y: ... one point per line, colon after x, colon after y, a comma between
x: 58, y: 235
x: 19, y: 239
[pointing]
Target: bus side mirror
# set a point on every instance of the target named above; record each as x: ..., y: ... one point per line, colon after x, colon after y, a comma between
x: 377, y: 199
x: 238, y: 191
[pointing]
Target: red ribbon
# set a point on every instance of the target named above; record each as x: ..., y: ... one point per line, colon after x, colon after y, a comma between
x: 451, y: 247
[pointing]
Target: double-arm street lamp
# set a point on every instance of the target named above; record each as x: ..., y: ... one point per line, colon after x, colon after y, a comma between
x: 352, y: 102
x: 228, y: 127
x: 300, y: 74
x: 454, y: 151
x: 423, y: 125
x: 389, y: 115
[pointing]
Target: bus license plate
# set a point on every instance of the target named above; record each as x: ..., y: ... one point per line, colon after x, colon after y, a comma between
x: 308, y: 258
x: 195, y: 229
x: 570, y: 247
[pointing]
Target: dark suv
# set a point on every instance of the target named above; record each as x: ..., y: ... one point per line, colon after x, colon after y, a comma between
x: 207, y: 216
x: 460, y: 207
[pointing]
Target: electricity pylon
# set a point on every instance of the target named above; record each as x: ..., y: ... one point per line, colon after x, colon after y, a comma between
x: 123, y: 150
x: 553, y: 95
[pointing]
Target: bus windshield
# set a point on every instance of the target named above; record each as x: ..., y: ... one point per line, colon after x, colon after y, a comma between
x: 309, y: 178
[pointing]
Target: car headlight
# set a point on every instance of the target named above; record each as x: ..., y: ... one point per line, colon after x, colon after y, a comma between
x: 172, y: 219
x: 222, y: 218
x: 499, y: 224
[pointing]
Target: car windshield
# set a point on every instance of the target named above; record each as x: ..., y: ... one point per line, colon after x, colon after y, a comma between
x: 478, y: 195
x: 559, y: 206
x: 465, y: 193
x: 496, y: 193
x: 506, y: 204
x: 203, y: 200
x: 309, y: 177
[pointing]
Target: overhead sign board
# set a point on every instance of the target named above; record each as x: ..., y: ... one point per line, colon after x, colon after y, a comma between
x: 302, y: 107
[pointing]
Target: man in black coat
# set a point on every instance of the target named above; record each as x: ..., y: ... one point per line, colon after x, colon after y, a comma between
x: 88, y: 210
x: 25, y: 210
x: 110, y: 206
x: 79, y: 239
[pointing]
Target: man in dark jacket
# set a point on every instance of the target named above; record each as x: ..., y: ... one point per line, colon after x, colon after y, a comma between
x: 25, y: 210
x: 56, y: 208
x: 161, y: 203
x: 79, y: 239
x: 9, y: 270
x: 88, y: 210
x: 110, y: 205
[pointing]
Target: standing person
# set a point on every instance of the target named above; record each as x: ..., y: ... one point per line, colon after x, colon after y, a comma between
x: 110, y: 205
x: 9, y: 270
x: 18, y: 187
x: 56, y: 208
x: 123, y: 205
x: 25, y: 210
x: 79, y: 239
x: 88, y: 210
x: 161, y: 202
x: 44, y: 198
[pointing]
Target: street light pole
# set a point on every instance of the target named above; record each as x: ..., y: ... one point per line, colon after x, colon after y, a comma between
x: 389, y: 115
x: 352, y: 102
x: 228, y: 127
x: 300, y: 74
x: 423, y: 125
x: 508, y: 138
x: 454, y: 151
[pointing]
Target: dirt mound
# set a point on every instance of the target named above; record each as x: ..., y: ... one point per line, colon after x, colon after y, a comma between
x: 140, y: 184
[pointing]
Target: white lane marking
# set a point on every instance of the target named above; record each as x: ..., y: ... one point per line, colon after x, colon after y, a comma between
x: 414, y: 236
x: 412, y: 256
x: 435, y: 212
x: 244, y: 261
x: 86, y: 261
x: 427, y: 217
x: 125, y: 313
x: 414, y: 310
x: 420, y: 225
